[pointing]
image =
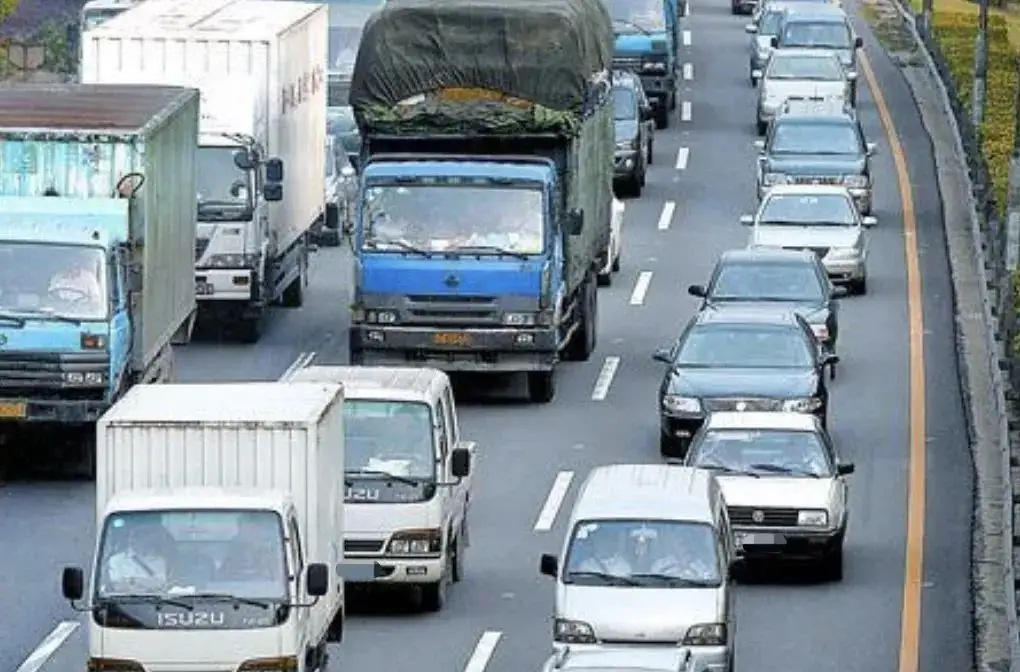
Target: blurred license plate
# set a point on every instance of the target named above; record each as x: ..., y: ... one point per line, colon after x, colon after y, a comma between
x: 12, y: 410
x: 452, y: 338
x: 756, y: 539
x: 203, y: 289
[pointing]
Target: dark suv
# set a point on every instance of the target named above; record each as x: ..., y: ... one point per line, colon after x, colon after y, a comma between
x: 632, y: 117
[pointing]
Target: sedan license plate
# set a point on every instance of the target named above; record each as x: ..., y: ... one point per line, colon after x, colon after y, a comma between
x: 14, y: 410
x: 759, y: 539
x: 203, y: 289
x: 452, y: 338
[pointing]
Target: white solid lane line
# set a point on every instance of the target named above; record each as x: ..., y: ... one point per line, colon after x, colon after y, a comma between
x: 637, y: 297
x: 687, y: 38
x: 688, y: 71
x: 605, y: 378
x: 558, y: 492
x: 484, y: 649
x: 682, y: 155
x: 666, y: 218
x: 685, y: 111
x: 48, y: 646
x: 303, y: 360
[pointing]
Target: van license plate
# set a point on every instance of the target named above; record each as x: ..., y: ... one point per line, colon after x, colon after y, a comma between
x: 15, y: 410
x: 452, y: 338
x: 756, y: 539
x: 204, y: 289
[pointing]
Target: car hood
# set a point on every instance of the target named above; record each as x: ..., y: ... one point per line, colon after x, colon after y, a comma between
x: 626, y: 129
x: 769, y: 383
x: 806, y: 236
x: 815, y: 164
x: 845, y: 56
x: 778, y: 90
x: 777, y: 491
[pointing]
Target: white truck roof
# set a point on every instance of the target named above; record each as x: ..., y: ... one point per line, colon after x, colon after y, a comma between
x: 195, y: 498
x: 377, y: 382
x: 211, y: 19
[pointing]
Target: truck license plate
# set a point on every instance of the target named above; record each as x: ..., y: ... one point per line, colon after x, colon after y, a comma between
x: 451, y: 338
x: 757, y: 539
x: 203, y: 289
x: 13, y: 410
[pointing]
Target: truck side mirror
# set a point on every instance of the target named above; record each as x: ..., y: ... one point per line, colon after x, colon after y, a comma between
x: 575, y: 222
x: 243, y: 160
x: 858, y: 43
x: 697, y: 290
x: 72, y: 583
x: 751, y: 29
x: 845, y: 469
x: 774, y: 42
x: 317, y: 579
x: 460, y: 462
x: 274, y: 170
x: 662, y: 355
x: 272, y: 191
x: 548, y: 565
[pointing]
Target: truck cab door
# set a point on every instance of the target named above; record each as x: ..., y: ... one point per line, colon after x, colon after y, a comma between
x: 121, y: 333
x: 296, y: 560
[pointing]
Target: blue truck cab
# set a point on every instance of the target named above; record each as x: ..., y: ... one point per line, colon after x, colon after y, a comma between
x: 647, y: 33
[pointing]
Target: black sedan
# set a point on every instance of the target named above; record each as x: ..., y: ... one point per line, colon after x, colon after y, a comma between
x: 781, y: 279
x: 739, y: 358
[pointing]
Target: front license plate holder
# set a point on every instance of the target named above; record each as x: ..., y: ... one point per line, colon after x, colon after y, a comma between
x: 13, y: 410
x: 452, y: 339
x: 745, y: 539
x: 360, y: 572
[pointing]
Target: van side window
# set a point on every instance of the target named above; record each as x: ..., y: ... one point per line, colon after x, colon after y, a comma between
x: 440, y: 412
x: 297, y: 558
x: 451, y: 415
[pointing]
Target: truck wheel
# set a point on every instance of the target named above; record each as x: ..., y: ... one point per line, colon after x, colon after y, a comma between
x: 250, y: 328
x: 616, y: 262
x: 583, y: 342
x: 541, y: 386
x: 294, y: 295
x: 458, y: 562
x: 606, y: 279
x: 433, y: 595
x: 832, y: 563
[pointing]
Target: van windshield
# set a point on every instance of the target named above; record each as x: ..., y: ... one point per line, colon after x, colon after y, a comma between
x: 643, y: 553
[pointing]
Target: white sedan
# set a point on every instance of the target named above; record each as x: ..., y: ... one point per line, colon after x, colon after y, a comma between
x: 605, y: 277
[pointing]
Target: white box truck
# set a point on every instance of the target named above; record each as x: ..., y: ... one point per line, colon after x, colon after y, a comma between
x: 219, y: 529
x: 259, y: 66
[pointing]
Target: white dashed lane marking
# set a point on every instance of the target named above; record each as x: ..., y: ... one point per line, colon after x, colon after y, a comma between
x: 682, y: 155
x: 637, y: 297
x: 685, y: 110
x: 687, y: 38
x: 557, y: 493
x: 688, y: 71
x: 605, y: 378
x: 666, y: 218
x: 484, y: 649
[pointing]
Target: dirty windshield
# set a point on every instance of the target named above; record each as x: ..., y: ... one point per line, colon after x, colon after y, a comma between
x: 448, y: 218
x: 224, y: 191
x: 390, y: 451
x: 637, y: 16
x: 45, y: 281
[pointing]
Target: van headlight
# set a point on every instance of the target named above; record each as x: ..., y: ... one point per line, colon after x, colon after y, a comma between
x: 519, y: 319
x: 802, y: 405
x: 677, y: 404
x: 855, y: 181
x: 416, y: 542
x: 572, y: 632
x: 813, y: 518
x: 705, y: 634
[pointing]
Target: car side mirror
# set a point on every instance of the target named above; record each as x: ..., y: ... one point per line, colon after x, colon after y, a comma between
x: 759, y: 145
x: 845, y: 469
x: 272, y: 191
x: 774, y: 42
x: 831, y: 360
x: 662, y: 355
x: 72, y: 583
x: 751, y: 29
x: 317, y: 579
x: 347, y: 172
x: 747, y: 220
x: 460, y: 462
x: 243, y: 160
x: 756, y: 74
x: 697, y: 290
x: 274, y: 170
x: 549, y: 565
x: 575, y: 222
x: 869, y: 221
x: 858, y: 43
x: 851, y: 76
x: 838, y: 292
x: 872, y: 149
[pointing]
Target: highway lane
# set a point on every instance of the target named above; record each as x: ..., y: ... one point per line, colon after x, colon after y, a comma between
x: 851, y: 626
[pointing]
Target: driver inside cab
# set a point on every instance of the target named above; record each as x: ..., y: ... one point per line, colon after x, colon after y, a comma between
x: 77, y: 283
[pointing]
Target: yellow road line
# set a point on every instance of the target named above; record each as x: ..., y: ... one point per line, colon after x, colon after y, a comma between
x: 910, y: 623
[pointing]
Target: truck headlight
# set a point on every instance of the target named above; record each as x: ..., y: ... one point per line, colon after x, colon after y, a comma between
x: 84, y: 378
x: 232, y: 261
x: 705, y: 634
x: 855, y: 181
x: 381, y: 316
x: 772, y: 179
x: 416, y: 542
x: 812, y: 518
x: 802, y: 405
x: 282, y: 664
x: 572, y: 632
x: 113, y: 665
x: 653, y: 67
x: 520, y: 319
x: 678, y: 404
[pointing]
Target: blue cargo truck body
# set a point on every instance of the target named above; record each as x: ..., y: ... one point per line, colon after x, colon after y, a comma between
x: 485, y: 196
x: 647, y: 33
x: 97, y: 228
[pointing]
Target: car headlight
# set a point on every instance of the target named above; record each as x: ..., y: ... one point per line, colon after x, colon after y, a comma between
x: 381, y: 316
x: 416, y: 542
x: 813, y: 518
x: 626, y: 145
x: 804, y: 405
x: 232, y: 261
x: 843, y: 253
x: 705, y: 634
x: 90, y: 378
x: 772, y: 179
x: 572, y: 632
x: 678, y: 404
x: 654, y: 67
x: 282, y: 664
x: 820, y: 331
x: 520, y: 319
x: 855, y: 181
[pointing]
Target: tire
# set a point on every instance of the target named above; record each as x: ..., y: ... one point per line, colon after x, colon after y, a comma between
x: 670, y: 448
x: 616, y: 262
x: 761, y: 127
x: 662, y: 116
x: 294, y: 295
x: 582, y: 344
x: 458, y: 562
x: 635, y: 185
x: 651, y: 147
x: 251, y: 328
x: 859, y: 287
x: 605, y: 279
x: 832, y: 563
x: 433, y: 595
x: 541, y: 386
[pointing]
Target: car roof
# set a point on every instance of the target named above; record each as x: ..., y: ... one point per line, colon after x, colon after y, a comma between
x: 797, y: 422
x: 766, y: 255
x: 746, y: 314
x: 646, y: 491
x: 815, y: 12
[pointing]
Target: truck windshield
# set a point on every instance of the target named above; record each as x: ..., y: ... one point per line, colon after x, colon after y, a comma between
x: 449, y: 218
x: 177, y: 554
x: 51, y: 281
x: 223, y: 189
x: 638, y: 15
x: 90, y: 18
x: 388, y: 444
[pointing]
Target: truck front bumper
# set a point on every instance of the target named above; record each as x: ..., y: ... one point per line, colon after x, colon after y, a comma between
x: 225, y: 284
x: 55, y: 411
x: 658, y: 89
x: 392, y: 570
x: 456, y: 349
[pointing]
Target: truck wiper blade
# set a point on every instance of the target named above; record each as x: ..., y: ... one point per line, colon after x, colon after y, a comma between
x: 227, y: 597
x: 47, y: 313
x: 608, y: 578
x: 141, y: 597
x: 489, y: 248
x: 407, y: 480
x: 726, y: 470
x: 18, y: 320
x: 675, y: 581
x: 403, y: 245
x: 778, y: 469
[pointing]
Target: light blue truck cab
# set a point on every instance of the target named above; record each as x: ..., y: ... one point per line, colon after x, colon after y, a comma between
x: 484, y: 213
x: 647, y: 33
x: 97, y: 218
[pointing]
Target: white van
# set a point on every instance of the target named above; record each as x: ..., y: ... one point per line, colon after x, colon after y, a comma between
x: 647, y: 561
x: 407, y: 473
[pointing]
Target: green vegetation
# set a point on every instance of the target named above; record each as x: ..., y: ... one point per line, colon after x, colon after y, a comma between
x: 7, y: 8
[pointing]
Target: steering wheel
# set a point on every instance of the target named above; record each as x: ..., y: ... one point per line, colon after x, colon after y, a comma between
x: 77, y: 295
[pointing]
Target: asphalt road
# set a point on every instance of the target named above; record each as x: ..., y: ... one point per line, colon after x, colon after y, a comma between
x: 704, y: 164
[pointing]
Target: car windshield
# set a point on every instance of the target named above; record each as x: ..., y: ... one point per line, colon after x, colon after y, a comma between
x: 819, y: 34
x: 808, y: 210
x: 647, y: 553
x: 452, y: 217
x: 53, y: 281
x: 637, y: 15
x: 812, y: 68
x: 766, y: 452
x: 624, y: 103
x: 767, y: 281
x: 177, y: 553
x: 800, y: 137
x: 221, y: 184
x: 745, y: 346
x: 390, y: 437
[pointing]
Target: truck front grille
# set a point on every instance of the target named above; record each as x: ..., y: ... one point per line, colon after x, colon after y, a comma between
x: 623, y: 63
x: 423, y: 309
x: 745, y: 516
x: 363, y: 546
x: 41, y: 375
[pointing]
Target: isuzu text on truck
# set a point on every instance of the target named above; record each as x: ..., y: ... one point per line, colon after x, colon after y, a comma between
x: 260, y: 68
x: 487, y: 163
x: 97, y: 208
x: 220, y: 530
